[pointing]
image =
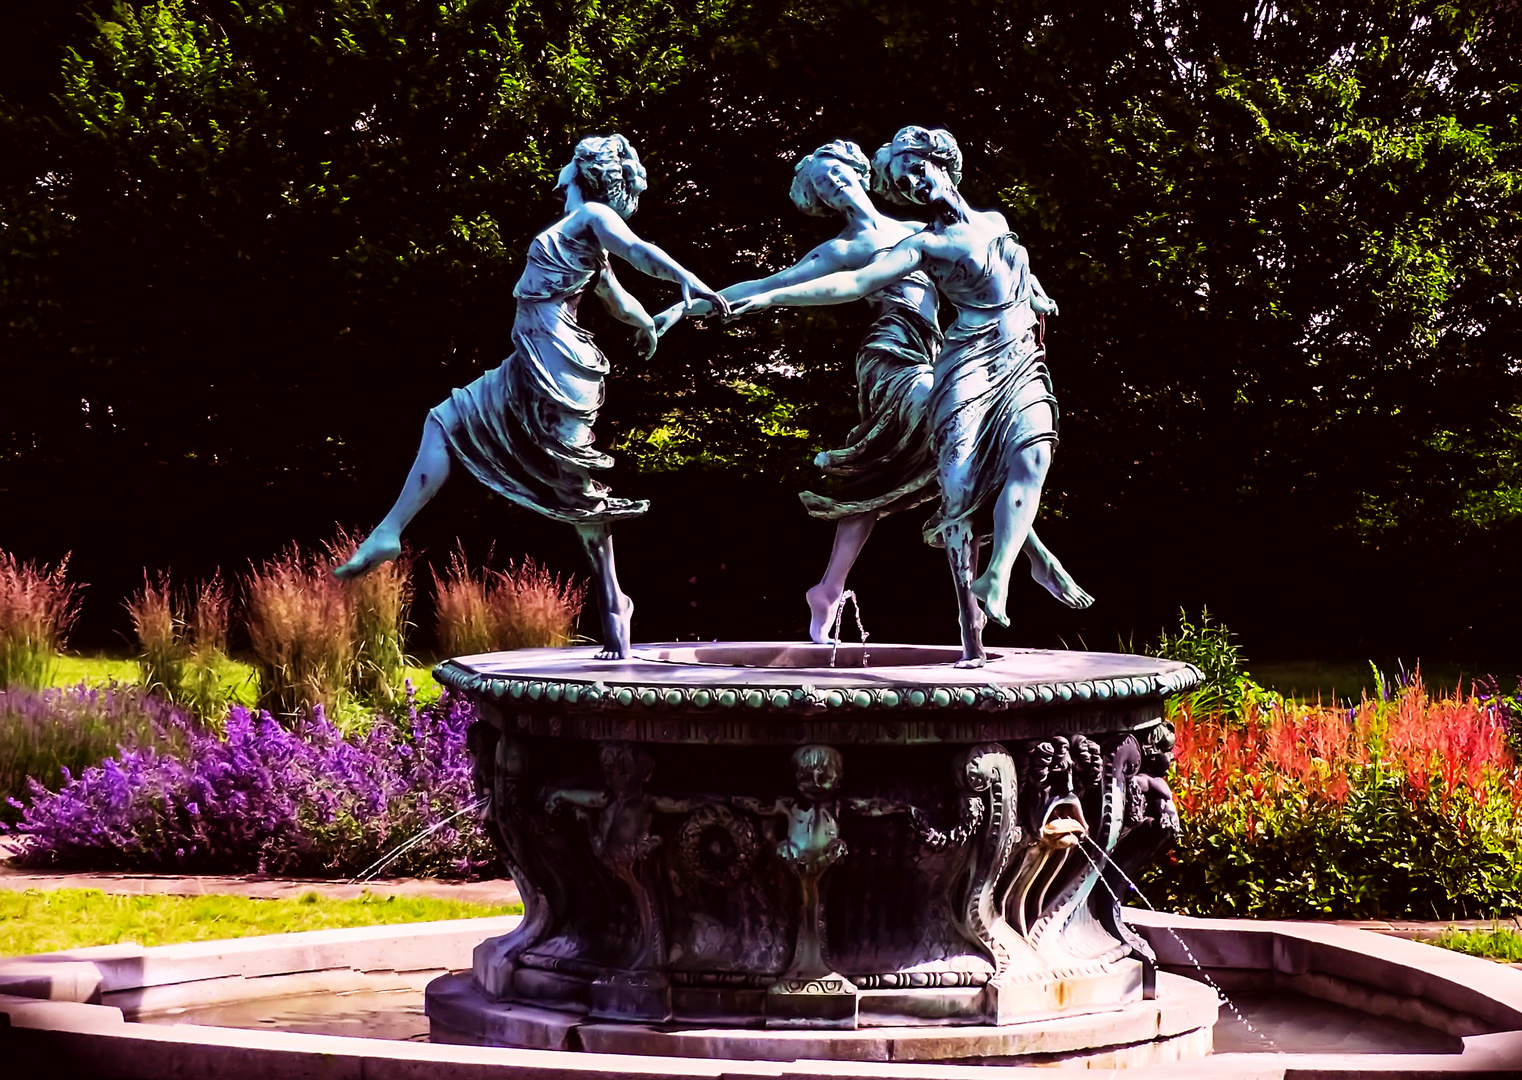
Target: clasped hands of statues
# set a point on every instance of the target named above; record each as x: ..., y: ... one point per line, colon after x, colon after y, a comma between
x: 703, y: 306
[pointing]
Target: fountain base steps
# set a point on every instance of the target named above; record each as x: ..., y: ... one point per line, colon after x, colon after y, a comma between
x: 1174, y: 1026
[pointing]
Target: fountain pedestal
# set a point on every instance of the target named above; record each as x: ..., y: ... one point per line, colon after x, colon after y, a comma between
x: 743, y: 835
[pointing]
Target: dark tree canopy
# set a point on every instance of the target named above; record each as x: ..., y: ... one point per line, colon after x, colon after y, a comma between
x: 243, y: 246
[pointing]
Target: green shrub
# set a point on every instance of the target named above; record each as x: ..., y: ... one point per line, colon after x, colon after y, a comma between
x: 1227, y: 688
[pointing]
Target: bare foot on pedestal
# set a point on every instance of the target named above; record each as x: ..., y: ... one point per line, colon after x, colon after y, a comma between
x: 824, y: 606
x: 615, y: 632
x: 380, y: 546
x: 1057, y: 581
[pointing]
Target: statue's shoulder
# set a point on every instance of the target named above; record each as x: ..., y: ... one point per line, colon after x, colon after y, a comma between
x: 995, y: 220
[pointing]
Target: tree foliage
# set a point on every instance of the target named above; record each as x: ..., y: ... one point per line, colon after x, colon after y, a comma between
x: 262, y: 237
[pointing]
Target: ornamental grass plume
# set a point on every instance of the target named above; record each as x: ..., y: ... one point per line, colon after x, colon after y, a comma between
x: 522, y: 607
x: 38, y: 605
x: 299, y: 631
x: 182, y: 641
x: 208, y: 622
x: 466, y: 624
x: 159, y: 629
x: 378, y: 602
x: 533, y: 608
x: 1405, y: 807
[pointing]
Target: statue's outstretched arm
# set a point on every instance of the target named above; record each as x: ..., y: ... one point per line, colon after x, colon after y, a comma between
x: 844, y: 286
x: 592, y: 800
x: 621, y: 304
x: 615, y: 235
x: 626, y: 308
x: 827, y: 258
x: 878, y: 807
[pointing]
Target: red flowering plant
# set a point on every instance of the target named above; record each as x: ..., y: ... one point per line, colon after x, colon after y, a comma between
x: 1406, y: 805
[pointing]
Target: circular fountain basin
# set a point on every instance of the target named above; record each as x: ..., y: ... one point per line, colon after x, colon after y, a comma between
x: 1323, y: 999
x: 817, y: 842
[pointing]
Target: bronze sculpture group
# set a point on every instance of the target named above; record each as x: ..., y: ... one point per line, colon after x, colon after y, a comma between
x: 970, y: 417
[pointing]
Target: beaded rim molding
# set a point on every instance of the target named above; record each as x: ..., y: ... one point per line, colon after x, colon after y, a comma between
x: 805, y: 697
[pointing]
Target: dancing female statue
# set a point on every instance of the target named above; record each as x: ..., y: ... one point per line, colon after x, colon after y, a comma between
x: 888, y: 463
x: 524, y: 429
x: 992, y: 413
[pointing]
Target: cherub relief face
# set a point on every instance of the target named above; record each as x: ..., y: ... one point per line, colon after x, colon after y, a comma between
x: 817, y: 771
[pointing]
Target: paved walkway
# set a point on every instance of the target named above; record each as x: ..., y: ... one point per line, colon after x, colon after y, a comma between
x: 498, y: 891
x: 264, y: 888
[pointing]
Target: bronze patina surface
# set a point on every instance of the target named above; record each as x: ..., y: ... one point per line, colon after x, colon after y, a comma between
x: 743, y: 834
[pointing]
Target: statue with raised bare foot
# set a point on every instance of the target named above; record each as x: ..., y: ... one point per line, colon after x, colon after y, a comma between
x: 888, y: 463
x: 991, y: 411
x: 524, y: 429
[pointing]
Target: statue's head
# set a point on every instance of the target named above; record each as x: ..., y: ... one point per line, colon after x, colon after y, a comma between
x: 918, y: 166
x: 625, y: 767
x: 606, y: 169
x: 509, y: 755
x: 830, y: 178
x: 816, y: 771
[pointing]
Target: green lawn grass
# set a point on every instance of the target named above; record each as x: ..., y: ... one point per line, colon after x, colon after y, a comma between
x: 45, y: 920
x: 237, y: 677
x: 1500, y: 943
x: 1332, y: 681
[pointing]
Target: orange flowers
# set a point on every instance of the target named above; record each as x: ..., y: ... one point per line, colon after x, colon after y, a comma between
x: 1323, y: 753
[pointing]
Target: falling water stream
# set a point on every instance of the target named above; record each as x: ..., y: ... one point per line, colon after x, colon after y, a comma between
x: 411, y: 842
x: 840, y: 614
x: 1082, y: 840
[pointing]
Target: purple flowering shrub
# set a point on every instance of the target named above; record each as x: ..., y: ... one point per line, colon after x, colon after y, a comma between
x: 262, y: 797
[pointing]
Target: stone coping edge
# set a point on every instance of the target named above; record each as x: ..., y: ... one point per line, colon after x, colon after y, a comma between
x: 1372, y: 972
x: 66, y: 1039
x: 85, y: 975
x: 1128, y: 1035
x: 800, y: 694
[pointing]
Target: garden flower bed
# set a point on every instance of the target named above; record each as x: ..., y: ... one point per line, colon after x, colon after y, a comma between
x: 261, y: 796
x: 1403, y: 806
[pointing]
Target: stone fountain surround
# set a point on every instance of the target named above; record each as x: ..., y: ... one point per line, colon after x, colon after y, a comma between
x: 70, y: 1014
x: 940, y: 783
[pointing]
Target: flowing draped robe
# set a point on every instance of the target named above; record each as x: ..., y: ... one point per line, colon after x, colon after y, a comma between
x: 887, y: 463
x: 989, y: 374
x: 524, y: 429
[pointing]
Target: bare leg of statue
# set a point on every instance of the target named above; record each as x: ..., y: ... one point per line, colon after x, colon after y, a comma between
x: 1013, y: 514
x: 962, y: 553
x: 429, y: 471
x: 616, y: 608
x: 824, y: 599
